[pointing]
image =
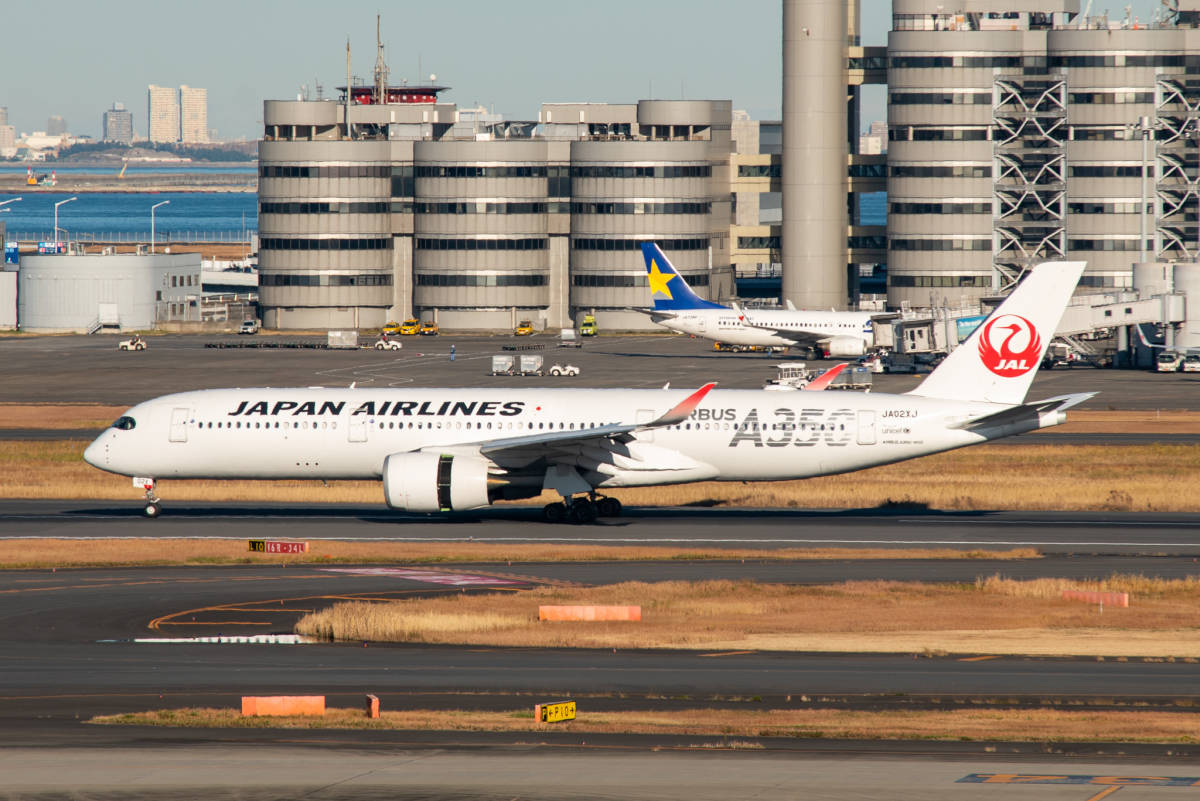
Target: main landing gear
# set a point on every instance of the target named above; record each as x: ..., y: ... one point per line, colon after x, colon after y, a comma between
x: 153, y: 503
x: 584, y: 509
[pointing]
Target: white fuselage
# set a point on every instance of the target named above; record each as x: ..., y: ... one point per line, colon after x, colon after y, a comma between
x: 732, y: 435
x: 771, y: 326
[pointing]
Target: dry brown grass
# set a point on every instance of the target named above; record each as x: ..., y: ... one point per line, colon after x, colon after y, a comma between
x: 20, y: 415
x: 1159, y: 478
x: 35, y: 553
x: 876, y: 616
x: 1033, y: 725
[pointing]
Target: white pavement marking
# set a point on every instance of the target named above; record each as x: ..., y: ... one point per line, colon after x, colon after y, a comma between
x: 426, y: 576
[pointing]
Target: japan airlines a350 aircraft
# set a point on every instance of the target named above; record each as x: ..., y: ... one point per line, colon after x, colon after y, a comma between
x: 841, y: 334
x: 441, y: 450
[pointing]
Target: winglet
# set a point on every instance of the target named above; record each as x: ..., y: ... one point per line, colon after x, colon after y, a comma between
x: 826, y: 378
x: 683, y: 409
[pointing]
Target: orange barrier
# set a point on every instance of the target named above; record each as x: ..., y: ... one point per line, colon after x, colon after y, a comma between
x: 590, y: 613
x: 1110, y: 598
x: 274, y: 705
x: 372, y: 706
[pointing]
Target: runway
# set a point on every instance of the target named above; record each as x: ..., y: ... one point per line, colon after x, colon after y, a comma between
x: 1114, y: 533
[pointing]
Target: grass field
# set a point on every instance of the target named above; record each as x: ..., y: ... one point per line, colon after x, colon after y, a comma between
x: 58, y: 553
x: 1022, y: 475
x: 1027, y: 725
x: 992, y: 616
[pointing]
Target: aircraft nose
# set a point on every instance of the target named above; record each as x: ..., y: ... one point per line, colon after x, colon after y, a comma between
x: 96, y: 454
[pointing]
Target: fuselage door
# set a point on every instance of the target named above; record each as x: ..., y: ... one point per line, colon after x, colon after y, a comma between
x: 179, y: 419
x: 866, y: 427
x: 358, y: 428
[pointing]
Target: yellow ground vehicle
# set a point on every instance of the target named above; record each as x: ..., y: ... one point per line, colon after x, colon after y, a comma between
x: 588, y: 327
x: 410, y: 326
x: 429, y: 328
x: 523, y: 329
x: 390, y: 328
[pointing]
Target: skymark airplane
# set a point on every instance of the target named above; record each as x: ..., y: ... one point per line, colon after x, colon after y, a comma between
x: 442, y: 450
x: 676, y: 306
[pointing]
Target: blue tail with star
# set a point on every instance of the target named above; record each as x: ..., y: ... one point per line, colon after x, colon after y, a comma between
x: 668, y: 289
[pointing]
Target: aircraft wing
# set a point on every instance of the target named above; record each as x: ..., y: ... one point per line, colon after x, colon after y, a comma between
x: 826, y: 378
x: 798, y: 335
x: 555, y: 446
x: 656, y: 315
x: 1024, y: 412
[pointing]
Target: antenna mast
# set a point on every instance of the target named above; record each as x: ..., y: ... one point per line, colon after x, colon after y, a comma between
x: 381, y: 70
x: 349, y: 134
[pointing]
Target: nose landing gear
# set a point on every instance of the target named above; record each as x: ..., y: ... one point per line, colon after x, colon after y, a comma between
x: 153, y: 506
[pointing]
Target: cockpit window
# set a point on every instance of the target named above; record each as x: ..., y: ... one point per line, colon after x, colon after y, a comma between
x: 125, y: 423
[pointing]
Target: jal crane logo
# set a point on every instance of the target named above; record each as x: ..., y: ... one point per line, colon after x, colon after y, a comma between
x: 1010, y: 346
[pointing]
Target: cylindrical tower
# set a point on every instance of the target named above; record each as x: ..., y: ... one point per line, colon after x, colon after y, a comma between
x: 815, y: 220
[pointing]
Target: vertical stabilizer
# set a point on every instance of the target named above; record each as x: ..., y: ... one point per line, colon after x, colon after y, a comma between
x: 998, y: 361
x: 668, y: 289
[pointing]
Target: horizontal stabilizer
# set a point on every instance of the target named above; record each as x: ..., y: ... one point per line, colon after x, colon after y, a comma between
x: 1024, y: 412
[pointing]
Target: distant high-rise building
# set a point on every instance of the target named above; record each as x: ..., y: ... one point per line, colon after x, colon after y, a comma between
x: 3, y: 115
x: 8, y: 141
x: 193, y: 114
x: 56, y: 126
x: 163, y: 114
x: 118, y: 125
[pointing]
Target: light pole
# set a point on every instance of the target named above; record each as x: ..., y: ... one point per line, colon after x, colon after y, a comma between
x: 1145, y: 127
x: 152, y: 208
x: 56, y: 205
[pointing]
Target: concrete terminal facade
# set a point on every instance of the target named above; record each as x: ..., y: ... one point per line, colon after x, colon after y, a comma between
x: 1017, y: 131
x: 410, y: 211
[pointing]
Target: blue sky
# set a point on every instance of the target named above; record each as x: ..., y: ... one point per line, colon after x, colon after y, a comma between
x: 75, y: 58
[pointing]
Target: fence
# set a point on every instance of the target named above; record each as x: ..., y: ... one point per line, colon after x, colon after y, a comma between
x: 119, y: 237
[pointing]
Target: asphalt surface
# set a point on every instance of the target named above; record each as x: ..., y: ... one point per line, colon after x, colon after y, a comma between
x: 83, y: 369
x: 1082, y: 533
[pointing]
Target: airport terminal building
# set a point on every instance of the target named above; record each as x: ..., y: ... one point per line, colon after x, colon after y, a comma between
x: 1018, y: 133
x: 418, y: 209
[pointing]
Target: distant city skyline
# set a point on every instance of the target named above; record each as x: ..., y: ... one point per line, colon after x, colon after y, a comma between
x: 507, y: 57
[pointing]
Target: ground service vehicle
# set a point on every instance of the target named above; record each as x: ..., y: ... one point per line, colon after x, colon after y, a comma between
x: 1168, y: 361
x: 588, y: 327
x: 731, y: 347
x: 523, y: 329
x: 249, y: 327
x: 1191, y: 363
x: 451, y: 449
x: 387, y: 344
x: 134, y: 343
x: 410, y: 327
x: 564, y: 369
x: 390, y: 328
x: 429, y: 328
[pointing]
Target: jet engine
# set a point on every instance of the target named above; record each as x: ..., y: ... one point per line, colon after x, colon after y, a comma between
x: 842, y: 347
x: 431, y: 482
